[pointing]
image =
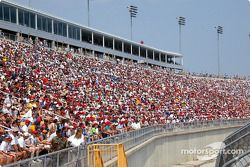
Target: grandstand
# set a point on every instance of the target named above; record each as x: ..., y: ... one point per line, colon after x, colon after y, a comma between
x: 58, y: 97
x: 25, y: 23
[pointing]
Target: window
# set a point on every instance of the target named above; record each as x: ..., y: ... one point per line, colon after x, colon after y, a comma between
x: 98, y: 39
x: 118, y: 45
x: 26, y: 19
x: 163, y: 57
x: 74, y: 32
x: 13, y: 14
x: 6, y: 13
x: 135, y: 50
x: 20, y: 17
x: 127, y: 48
x: 39, y: 22
x: 1, y: 12
x: 60, y: 28
x: 55, y: 27
x: 49, y: 25
x: 64, y: 29
x: 44, y: 24
x: 142, y: 52
x: 157, y: 56
x: 108, y: 42
x: 32, y: 20
x: 86, y: 36
x: 150, y: 54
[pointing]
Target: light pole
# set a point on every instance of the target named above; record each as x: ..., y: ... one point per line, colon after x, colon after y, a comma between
x: 219, y: 32
x: 249, y: 39
x: 181, y: 22
x: 133, y: 10
x: 88, y: 12
x: 29, y: 3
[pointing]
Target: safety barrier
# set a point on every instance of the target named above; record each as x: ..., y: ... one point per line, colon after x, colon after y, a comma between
x: 112, y: 154
x: 238, y: 142
x: 78, y: 156
x: 240, y: 161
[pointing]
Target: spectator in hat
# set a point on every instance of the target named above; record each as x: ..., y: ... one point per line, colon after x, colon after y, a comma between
x: 6, y: 156
x: 58, y: 142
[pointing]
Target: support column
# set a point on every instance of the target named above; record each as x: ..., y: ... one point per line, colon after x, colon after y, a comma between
x: 81, y: 35
x: 131, y: 49
x: 123, y: 47
x: 17, y: 16
x: 139, y: 51
x: 36, y: 21
x: 92, y: 41
x: 67, y: 27
x: 103, y: 41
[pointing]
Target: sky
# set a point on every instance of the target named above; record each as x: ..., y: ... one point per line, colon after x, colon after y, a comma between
x: 157, y: 26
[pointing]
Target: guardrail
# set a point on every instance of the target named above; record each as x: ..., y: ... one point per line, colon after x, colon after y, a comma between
x: 77, y: 156
x: 241, y: 161
x: 239, y: 140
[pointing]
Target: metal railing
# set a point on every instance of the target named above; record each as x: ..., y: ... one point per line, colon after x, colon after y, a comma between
x: 77, y: 156
x: 240, y: 161
x: 239, y: 140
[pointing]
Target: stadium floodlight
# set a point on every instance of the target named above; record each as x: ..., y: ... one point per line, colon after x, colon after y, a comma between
x: 181, y: 22
x: 219, y: 32
x: 88, y: 12
x: 133, y: 10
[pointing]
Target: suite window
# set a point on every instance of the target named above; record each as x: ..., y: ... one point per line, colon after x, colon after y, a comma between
x: 86, y: 36
x: 150, y: 54
x: 142, y: 52
x: 60, y: 28
x: 26, y: 18
x: 32, y: 23
x: 135, y: 50
x: 163, y: 57
x: 6, y: 12
x: 1, y: 12
x: 157, y: 56
x: 44, y: 24
x: 74, y: 32
x: 13, y: 14
x: 20, y: 17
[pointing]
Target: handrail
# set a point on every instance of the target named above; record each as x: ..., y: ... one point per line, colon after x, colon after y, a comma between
x: 132, y: 138
x: 230, y: 141
x: 238, y: 158
x: 236, y: 132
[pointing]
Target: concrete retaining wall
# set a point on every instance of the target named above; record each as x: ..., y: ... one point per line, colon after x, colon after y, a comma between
x: 165, y: 150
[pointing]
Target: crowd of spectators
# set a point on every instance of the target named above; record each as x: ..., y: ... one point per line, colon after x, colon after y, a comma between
x: 50, y: 100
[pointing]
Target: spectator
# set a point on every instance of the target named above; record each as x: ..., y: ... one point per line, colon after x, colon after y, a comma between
x: 77, y: 139
x: 58, y: 142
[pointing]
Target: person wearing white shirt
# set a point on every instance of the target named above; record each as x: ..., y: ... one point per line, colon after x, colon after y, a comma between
x: 77, y: 139
x: 5, y: 145
x: 5, y: 151
x: 51, y: 137
x: 25, y: 127
x: 22, y: 139
x: 136, y: 125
